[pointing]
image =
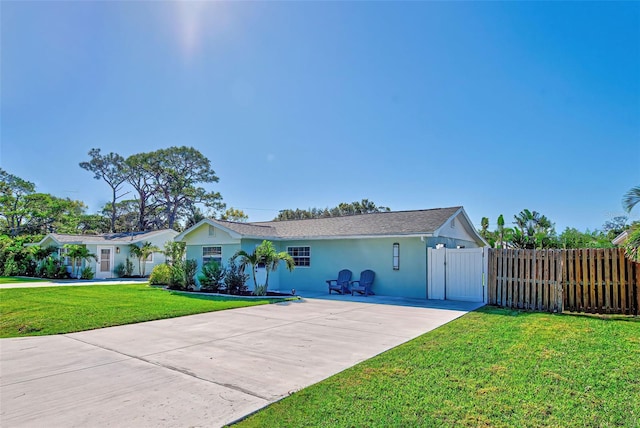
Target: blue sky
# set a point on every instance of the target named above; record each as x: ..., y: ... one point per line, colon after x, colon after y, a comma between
x: 497, y: 106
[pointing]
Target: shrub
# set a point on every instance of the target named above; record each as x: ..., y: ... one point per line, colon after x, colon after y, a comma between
x: 160, y: 275
x: 174, y: 251
x: 119, y: 270
x: 235, y: 280
x: 211, y: 277
x: 190, y: 268
x: 128, y: 267
x: 11, y: 268
x: 183, y: 275
x: 176, y: 279
x: 87, y: 273
x: 51, y: 268
x: 260, y: 290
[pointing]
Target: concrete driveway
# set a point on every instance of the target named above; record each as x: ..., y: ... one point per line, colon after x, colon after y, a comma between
x: 201, y: 370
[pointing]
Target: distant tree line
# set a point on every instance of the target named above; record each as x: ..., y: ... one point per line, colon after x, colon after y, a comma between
x: 364, y: 206
x: 532, y: 230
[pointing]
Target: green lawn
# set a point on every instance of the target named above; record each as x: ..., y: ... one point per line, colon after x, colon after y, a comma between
x: 489, y: 368
x: 15, y: 279
x: 53, y: 310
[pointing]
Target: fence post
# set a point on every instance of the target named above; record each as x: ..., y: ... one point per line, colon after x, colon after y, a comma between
x: 559, y: 277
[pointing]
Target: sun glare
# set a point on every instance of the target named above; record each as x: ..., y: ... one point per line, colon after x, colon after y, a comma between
x: 196, y: 22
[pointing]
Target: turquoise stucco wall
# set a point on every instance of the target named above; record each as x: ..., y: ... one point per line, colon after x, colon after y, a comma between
x: 330, y: 256
x: 195, y: 252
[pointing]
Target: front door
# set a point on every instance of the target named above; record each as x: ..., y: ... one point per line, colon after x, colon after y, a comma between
x: 261, y: 273
x: 104, y: 265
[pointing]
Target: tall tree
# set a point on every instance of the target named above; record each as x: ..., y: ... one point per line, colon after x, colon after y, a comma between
x: 13, y: 191
x: 500, y: 231
x: 176, y: 175
x: 113, y: 170
x: 234, y: 214
x: 364, y: 206
x: 615, y: 226
x: 126, y: 215
x: 141, y: 179
x: 484, y: 227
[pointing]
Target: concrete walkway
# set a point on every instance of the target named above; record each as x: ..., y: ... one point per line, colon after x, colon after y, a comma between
x: 201, y: 370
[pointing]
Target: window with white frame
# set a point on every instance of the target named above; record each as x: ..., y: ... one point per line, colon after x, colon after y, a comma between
x: 301, y: 255
x: 149, y: 258
x: 66, y: 260
x: 62, y: 255
x: 396, y: 256
x: 211, y: 253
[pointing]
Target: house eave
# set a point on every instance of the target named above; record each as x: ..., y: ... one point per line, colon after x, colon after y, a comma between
x: 336, y: 237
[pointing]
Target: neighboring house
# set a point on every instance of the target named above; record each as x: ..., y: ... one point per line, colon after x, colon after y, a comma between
x: 621, y: 239
x: 112, y: 249
x: 393, y: 244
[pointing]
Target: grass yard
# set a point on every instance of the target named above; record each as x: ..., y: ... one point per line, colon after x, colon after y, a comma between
x: 492, y: 367
x: 15, y: 279
x: 54, y: 310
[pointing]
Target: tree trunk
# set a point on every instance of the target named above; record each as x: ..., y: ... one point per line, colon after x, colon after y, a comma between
x: 113, y: 211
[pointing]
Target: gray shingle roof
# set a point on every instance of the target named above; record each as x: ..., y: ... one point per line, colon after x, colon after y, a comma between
x: 110, y: 238
x: 384, y: 223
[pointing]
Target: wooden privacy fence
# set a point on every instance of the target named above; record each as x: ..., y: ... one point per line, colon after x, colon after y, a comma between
x: 579, y: 280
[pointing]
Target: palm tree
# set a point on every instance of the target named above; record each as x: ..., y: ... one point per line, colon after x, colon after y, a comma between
x: 631, y: 198
x: 78, y: 254
x: 632, y: 246
x: 500, y: 231
x: 533, y: 227
x: 40, y: 253
x: 484, y: 224
x: 143, y: 252
x: 267, y: 254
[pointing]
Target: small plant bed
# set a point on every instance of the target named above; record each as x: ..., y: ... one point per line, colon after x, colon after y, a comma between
x: 272, y: 294
x: 492, y: 367
x: 63, y: 309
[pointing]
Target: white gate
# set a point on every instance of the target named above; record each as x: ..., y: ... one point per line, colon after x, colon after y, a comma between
x: 456, y: 274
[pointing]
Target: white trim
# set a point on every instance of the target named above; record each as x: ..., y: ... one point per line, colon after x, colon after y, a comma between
x: 211, y: 257
x: 308, y: 257
x: 210, y: 222
x: 620, y: 239
x: 467, y: 225
x: 105, y: 274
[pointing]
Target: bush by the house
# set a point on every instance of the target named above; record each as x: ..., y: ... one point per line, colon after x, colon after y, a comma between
x: 183, y: 275
x: 15, y: 259
x: 124, y: 270
x: 119, y: 270
x: 52, y: 268
x: 128, y: 267
x: 160, y: 275
x: 87, y: 273
x: 235, y: 280
x: 212, y: 276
